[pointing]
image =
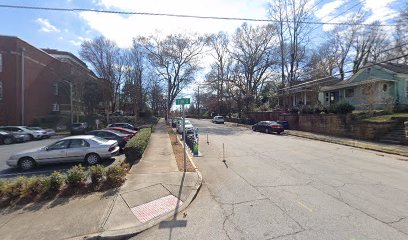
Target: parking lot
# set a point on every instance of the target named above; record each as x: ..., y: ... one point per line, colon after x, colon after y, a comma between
x: 7, y: 150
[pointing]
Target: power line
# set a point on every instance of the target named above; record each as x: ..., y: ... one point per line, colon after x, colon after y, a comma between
x: 382, y: 51
x: 174, y: 15
x: 326, y: 78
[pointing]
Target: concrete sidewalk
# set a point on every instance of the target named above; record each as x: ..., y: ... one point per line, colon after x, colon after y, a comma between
x: 154, y: 191
x: 381, y: 147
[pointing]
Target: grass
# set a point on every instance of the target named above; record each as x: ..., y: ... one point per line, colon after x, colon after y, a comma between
x: 386, y: 118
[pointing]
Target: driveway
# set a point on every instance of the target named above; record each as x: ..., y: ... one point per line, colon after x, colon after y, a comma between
x: 7, y: 150
x: 285, y: 187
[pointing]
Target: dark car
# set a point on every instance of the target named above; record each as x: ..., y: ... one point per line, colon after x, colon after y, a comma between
x: 123, y: 125
x: 7, y: 137
x: 268, y: 127
x: 79, y: 128
x: 112, y: 135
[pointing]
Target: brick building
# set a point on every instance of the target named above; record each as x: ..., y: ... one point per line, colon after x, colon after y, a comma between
x: 47, y: 76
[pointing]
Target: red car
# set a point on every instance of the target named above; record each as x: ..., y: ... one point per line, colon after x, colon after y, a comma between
x: 129, y: 132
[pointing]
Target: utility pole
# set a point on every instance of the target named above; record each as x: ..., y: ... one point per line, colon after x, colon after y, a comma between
x: 22, y: 87
x: 198, y: 102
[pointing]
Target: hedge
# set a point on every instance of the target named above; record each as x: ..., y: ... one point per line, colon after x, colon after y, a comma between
x: 135, y: 147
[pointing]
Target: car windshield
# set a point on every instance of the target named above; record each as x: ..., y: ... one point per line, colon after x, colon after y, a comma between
x: 77, y: 124
x: 34, y: 128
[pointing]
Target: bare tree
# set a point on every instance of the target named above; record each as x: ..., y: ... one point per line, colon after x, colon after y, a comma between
x: 254, y: 52
x: 401, y: 36
x: 106, y: 59
x: 218, y: 79
x: 293, y: 34
x: 176, y: 59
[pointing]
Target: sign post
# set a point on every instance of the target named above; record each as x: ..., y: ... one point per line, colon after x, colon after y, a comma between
x: 182, y: 102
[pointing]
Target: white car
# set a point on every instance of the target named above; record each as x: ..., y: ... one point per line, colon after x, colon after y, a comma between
x: 31, y: 132
x: 189, y: 127
x: 218, y: 119
x: 86, y: 148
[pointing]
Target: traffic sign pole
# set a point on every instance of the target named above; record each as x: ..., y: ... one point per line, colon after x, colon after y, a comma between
x: 184, y: 137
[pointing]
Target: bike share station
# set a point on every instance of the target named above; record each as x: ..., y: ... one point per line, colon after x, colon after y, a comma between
x: 192, y: 142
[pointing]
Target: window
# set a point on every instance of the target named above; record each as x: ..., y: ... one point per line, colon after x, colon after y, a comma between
x: 78, y: 143
x: 55, y: 85
x: 59, y: 145
x: 385, y: 87
x: 406, y: 88
x: 349, y: 92
x: 1, y: 90
x: 55, y: 107
x: 327, y: 97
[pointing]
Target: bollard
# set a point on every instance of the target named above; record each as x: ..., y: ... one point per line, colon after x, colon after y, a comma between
x: 207, y: 139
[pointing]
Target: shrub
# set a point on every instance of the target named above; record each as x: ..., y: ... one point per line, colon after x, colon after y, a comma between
x: 96, y: 172
x: 115, y: 175
x: 35, y: 185
x: 344, y: 108
x: 76, y: 176
x: 136, y: 146
x: 17, y: 187
x: 54, y: 182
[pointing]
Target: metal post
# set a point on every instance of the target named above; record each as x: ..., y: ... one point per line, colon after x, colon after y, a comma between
x: 71, y: 101
x: 223, y: 153
x: 198, y: 102
x: 22, y: 87
x: 184, y: 136
x: 207, y: 139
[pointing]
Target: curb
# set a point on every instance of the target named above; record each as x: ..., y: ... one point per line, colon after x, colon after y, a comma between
x: 356, y: 145
x: 132, y: 231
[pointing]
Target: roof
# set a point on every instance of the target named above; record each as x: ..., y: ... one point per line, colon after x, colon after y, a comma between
x: 306, y: 85
x: 64, y: 53
x: 395, y: 67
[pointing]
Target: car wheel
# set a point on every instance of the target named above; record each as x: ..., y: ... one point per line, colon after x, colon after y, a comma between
x: 8, y: 140
x: 30, y: 137
x: 92, y: 158
x: 267, y: 130
x: 26, y: 163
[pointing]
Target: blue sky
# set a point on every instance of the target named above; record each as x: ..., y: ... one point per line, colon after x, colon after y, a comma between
x: 66, y: 30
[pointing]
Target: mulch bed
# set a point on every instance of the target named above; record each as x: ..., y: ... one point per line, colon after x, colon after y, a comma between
x: 179, y: 152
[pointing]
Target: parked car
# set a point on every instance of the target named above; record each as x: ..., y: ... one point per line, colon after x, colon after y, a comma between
x: 88, y: 149
x: 218, y: 119
x: 121, y: 138
x: 285, y: 124
x: 8, y: 138
x: 79, y: 128
x: 40, y: 129
x: 31, y: 133
x: 188, y: 125
x: 174, y: 121
x: 129, y: 132
x: 268, y: 127
x: 123, y: 125
x: 50, y: 132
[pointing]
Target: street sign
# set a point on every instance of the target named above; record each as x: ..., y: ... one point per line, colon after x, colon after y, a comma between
x: 182, y: 101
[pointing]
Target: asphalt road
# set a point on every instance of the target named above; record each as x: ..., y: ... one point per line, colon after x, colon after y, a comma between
x: 7, y: 150
x: 284, y: 187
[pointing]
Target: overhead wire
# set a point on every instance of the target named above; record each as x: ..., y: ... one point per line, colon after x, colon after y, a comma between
x: 172, y: 15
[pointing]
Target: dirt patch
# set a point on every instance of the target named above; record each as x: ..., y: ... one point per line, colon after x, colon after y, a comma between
x: 179, y: 152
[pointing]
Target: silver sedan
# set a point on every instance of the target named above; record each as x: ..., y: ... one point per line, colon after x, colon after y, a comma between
x: 85, y: 148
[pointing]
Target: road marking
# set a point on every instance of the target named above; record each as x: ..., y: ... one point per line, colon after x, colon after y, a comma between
x: 305, y: 207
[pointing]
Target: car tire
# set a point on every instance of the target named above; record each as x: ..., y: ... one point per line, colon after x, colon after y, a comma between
x: 267, y: 130
x: 8, y: 140
x: 92, y: 158
x: 26, y: 163
x: 30, y: 137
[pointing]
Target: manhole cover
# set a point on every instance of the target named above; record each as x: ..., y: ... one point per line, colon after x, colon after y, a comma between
x: 155, y: 208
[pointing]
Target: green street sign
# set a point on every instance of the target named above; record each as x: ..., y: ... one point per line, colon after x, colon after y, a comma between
x: 182, y: 101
